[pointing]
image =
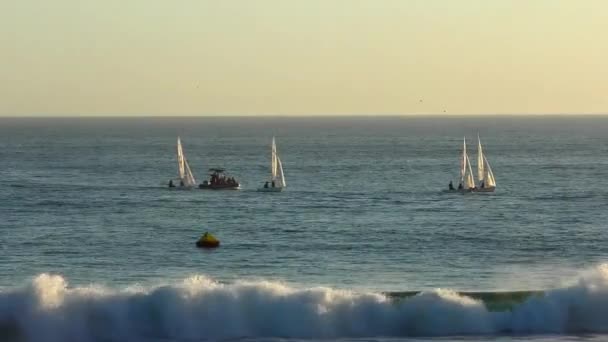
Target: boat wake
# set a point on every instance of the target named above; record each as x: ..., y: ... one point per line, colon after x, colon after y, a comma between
x: 199, y: 308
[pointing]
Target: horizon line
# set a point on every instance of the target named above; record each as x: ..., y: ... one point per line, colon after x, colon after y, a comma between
x: 253, y: 116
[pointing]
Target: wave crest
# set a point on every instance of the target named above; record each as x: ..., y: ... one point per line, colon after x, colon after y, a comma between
x: 201, y: 308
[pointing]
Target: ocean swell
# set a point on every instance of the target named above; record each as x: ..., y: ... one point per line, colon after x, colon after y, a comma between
x: 199, y: 308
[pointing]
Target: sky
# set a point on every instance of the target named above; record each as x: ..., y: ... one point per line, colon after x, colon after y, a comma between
x: 302, y: 57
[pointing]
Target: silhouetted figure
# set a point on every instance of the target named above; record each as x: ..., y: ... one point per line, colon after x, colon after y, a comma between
x: 266, y: 185
x: 459, y: 186
x: 451, y: 186
x: 171, y: 185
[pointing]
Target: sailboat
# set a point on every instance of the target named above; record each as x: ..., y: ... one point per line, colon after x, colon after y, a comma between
x: 466, y: 183
x: 487, y: 183
x: 277, y: 178
x: 185, y: 177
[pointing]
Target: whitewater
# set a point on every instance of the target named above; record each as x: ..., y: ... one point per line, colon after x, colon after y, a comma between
x: 199, y: 308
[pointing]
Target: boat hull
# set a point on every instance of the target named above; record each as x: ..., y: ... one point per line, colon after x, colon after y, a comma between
x: 181, y: 187
x: 471, y: 190
x: 219, y: 187
x: 459, y: 191
x: 490, y: 189
x: 270, y: 189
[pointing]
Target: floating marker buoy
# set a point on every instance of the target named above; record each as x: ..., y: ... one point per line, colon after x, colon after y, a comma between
x: 208, y: 241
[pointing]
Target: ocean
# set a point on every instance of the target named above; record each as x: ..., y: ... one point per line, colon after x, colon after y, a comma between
x: 363, y: 244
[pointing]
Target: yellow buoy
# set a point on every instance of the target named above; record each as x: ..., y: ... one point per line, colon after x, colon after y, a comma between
x: 208, y: 241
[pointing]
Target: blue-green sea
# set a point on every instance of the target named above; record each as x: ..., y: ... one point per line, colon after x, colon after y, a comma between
x: 363, y: 244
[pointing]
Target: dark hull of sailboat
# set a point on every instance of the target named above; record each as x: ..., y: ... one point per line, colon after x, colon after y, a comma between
x: 463, y: 191
x: 177, y: 184
x: 270, y: 189
x: 459, y: 191
x: 181, y: 187
x: 489, y: 189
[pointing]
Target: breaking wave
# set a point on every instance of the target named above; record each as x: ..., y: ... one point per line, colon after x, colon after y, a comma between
x: 200, y: 308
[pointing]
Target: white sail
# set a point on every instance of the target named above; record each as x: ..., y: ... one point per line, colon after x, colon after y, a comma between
x: 489, y: 177
x: 463, y: 160
x: 189, y: 177
x: 276, y: 167
x: 469, y: 182
x: 273, y: 161
x: 282, y: 182
x: 180, y: 160
x: 183, y: 169
x: 480, y: 163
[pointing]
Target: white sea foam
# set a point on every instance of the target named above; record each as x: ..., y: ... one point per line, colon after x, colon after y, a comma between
x: 200, y: 308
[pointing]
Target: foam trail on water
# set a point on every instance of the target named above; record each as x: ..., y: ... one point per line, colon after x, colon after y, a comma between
x: 200, y: 308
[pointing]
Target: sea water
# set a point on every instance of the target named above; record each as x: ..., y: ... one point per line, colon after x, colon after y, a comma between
x: 363, y: 243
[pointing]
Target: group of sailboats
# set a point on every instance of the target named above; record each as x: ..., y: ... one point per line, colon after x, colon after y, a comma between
x: 276, y: 183
x: 485, y: 177
x: 220, y: 181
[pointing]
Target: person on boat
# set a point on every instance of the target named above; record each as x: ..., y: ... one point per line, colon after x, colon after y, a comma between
x: 181, y: 183
x: 171, y: 185
x: 266, y: 185
x: 273, y: 184
x: 451, y: 186
x: 459, y: 186
x: 482, y: 185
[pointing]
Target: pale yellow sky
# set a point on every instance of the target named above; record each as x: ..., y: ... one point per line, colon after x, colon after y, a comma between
x: 306, y: 57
